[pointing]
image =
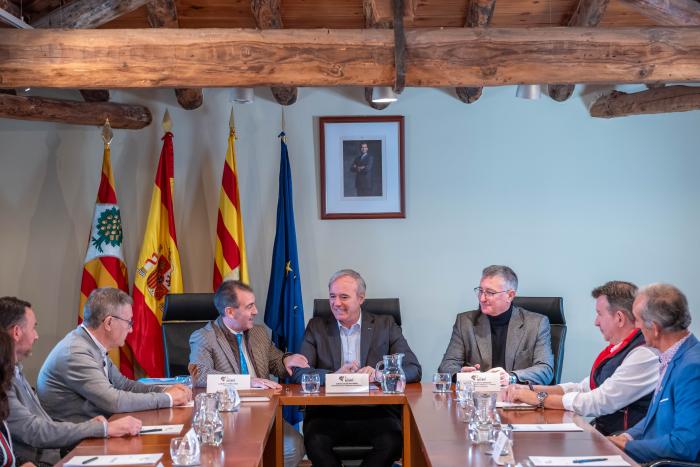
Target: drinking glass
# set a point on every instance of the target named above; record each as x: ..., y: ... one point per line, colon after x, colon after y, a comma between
x: 465, y: 391
x: 442, y: 382
x: 311, y: 383
x: 183, y: 451
x: 229, y: 400
x: 507, y: 431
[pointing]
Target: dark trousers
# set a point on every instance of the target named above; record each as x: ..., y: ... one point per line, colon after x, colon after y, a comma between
x: 376, y: 426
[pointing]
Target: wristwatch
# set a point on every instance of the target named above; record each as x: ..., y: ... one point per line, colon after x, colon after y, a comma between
x: 513, y: 379
x: 541, y: 396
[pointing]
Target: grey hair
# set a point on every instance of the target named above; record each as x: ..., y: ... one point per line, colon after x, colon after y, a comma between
x: 227, y: 295
x: 666, y: 306
x: 505, y: 272
x: 361, y: 286
x: 101, y: 303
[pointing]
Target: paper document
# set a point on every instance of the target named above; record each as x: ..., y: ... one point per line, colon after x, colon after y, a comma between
x: 254, y: 398
x: 580, y: 461
x: 161, y: 429
x: 124, y: 459
x: 544, y: 427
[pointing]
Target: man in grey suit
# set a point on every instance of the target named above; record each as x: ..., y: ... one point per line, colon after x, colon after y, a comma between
x: 499, y: 336
x: 36, y: 437
x: 234, y: 344
x: 353, y: 341
x: 78, y: 380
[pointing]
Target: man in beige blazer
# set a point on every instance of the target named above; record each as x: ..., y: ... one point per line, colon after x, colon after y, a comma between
x: 234, y: 344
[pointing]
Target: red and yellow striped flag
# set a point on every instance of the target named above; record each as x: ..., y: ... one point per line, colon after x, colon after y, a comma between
x: 104, y: 262
x: 158, y: 270
x: 230, y: 260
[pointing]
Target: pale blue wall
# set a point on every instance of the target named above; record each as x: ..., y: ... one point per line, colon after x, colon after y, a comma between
x: 566, y: 200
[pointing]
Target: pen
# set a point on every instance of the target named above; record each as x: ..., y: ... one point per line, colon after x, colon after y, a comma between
x: 586, y: 461
x: 87, y: 461
x: 150, y: 430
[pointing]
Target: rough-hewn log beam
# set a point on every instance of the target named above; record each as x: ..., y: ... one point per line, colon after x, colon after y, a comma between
x: 651, y: 101
x: 95, y: 95
x: 588, y: 15
x: 11, y: 8
x: 669, y: 12
x: 267, y: 15
x: 87, y: 14
x: 479, y: 13
x: 435, y: 58
x: 382, y: 12
x: 163, y: 14
x: 125, y: 116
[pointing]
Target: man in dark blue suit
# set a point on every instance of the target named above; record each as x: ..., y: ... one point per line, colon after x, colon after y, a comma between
x: 671, y: 427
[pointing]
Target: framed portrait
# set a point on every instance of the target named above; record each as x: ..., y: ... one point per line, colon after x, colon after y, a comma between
x: 362, y: 167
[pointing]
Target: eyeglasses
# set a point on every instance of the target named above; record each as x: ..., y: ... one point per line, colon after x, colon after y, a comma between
x: 488, y: 293
x: 130, y: 322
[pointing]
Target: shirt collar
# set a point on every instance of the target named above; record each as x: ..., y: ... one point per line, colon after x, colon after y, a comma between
x: 102, y: 348
x: 353, y: 327
x: 667, y: 356
x: 232, y: 331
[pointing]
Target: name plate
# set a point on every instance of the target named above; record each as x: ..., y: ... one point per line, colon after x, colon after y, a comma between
x: 483, y: 382
x: 215, y: 382
x: 346, y: 383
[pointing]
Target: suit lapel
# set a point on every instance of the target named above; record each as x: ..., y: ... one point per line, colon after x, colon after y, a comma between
x: 225, y: 346
x: 336, y: 348
x: 482, y: 334
x: 366, y: 337
x: 514, y: 337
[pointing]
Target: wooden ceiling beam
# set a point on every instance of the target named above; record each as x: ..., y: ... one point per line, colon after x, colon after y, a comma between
x: 668, y: 12
x: 479, y: 13
x: 124, y: 116
x: 652, y: 101
x: 588, y: 15
x: 368, y: 7
x: 87, y: 14
x: 381, y: 12
x: 163, y: 14
x: 435, y: 58
x: 268, y: 15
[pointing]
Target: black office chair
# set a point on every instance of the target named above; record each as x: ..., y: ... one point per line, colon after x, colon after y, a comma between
x: 377, y: 306
x: 552, y: 308
x: 671, y: 463
x: 184, y: 313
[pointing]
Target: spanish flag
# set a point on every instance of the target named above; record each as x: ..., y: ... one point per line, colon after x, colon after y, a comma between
x: 104, y: 261
x: 230, y: 260
x: 158, y: 270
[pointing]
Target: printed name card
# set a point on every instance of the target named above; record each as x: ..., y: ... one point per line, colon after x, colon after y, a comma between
x: 215, y: 382
x: 483, y: 382
x: 347, y: 383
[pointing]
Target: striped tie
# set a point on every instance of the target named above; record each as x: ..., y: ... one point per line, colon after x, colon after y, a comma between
x: 244, y: 366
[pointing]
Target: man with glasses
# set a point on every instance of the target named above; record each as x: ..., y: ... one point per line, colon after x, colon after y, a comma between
x: 78, y: 380
x: 500, y: 337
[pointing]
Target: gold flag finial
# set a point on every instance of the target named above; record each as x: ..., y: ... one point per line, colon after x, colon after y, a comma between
x: 107, y: 132
x: 167, y: 122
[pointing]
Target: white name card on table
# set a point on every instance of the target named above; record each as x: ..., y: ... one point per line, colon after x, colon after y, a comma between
x: 215, y: 382
x: 483, y: 382
x: 347, y: 383
x: 580, y: 461
x: 546, y: 427
x: 122, y: 459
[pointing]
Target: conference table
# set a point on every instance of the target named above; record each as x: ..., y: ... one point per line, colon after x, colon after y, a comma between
x: 434, y: 434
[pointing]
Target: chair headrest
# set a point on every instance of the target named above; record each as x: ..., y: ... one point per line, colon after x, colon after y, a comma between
x: 551, y: 307
x: 189, y: 307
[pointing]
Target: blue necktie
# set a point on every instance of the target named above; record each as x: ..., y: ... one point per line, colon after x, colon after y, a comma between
x: 244, y: 367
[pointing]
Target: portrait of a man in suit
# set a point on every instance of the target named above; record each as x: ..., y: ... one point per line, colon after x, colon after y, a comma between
x: 362, y: 168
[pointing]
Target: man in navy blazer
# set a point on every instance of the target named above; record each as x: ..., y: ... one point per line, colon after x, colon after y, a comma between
x: 671, y: 427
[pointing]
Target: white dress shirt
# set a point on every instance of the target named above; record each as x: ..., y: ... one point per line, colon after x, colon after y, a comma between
x: 350, y: 341
x: 634, y: 378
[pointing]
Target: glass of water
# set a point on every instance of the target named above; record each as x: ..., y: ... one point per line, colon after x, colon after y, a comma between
x: 464, y: 390
x: 183, y: 451
x: 311, y: 383
x: 442, y: 382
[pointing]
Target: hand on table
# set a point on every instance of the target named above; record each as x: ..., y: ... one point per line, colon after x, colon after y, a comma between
x: 180, y: 393
x: 124, y: 426
x: 368, y: 370
x: 503, y: 375
x: 265, y: 384
x: 350, y: 367
x: 620, y: 440
x: 521, y: 393
x: 469, y: 369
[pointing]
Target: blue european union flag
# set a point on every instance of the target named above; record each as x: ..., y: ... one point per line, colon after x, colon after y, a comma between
x: 284, y: 310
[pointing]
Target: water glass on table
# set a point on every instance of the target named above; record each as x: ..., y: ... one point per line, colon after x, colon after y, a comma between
x: 311, y: 383
x: 442, y: 382
x: 464, y: 390
x: 183, y: 451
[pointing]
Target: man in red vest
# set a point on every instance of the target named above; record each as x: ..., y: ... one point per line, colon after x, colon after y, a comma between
x: 618, y: 390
